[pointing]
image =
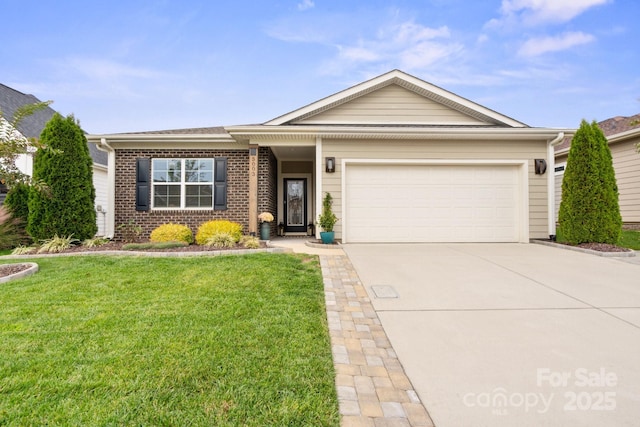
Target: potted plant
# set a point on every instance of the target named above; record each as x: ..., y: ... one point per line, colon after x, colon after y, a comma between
x: 265, y: 229
x: 327, y: 220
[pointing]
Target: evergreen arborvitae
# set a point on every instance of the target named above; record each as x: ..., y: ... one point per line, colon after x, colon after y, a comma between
x: 589, y: 211
x: 68, y: 208
x: 17, y: 202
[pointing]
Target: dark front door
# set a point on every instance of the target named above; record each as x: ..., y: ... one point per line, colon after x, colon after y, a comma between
x: 295, y: 205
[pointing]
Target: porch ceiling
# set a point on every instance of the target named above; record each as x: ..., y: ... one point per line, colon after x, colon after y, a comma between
x: 290, y: 153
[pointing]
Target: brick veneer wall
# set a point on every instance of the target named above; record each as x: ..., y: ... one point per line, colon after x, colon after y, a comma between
x: 268, y: 184
x: 125, y: 198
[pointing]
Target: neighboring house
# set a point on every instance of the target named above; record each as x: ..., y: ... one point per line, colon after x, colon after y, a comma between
x: 623, y: 135
x: 32, y: 126
x: 404, y: 160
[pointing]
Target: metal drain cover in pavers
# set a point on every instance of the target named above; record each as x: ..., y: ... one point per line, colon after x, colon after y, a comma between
x: 384, y: 291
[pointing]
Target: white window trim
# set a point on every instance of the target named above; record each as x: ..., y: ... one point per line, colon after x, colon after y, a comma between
x: 183, y: 185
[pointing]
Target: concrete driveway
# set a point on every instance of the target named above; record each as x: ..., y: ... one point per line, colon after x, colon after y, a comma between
x: 510, y: 334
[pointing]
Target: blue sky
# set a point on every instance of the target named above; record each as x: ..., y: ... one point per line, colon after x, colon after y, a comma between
x: 132, y: 65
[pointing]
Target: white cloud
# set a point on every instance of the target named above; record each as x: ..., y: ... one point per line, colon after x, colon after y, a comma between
x: 408, y: 46
x: 410, y: 32
x: 306, y: 4
x: 104, y: 69
x: 540, y: 45
x: 539, y: 12
x: 357, y: 54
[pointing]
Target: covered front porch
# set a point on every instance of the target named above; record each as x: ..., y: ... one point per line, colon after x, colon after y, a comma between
x: 296, y: 187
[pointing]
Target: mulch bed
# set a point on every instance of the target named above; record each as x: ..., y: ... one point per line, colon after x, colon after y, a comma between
x: 9, y: 269
x: 602, y: 247
x: 117, y: 246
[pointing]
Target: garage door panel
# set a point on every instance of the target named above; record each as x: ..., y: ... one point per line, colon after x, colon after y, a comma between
x: 432, y: 203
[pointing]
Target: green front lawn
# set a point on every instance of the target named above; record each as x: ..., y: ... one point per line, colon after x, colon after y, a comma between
x: 204, y: 341
x: 630, y: 239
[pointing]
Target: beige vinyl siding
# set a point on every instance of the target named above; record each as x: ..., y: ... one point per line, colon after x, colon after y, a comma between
x: 626, y: 162
x: 450, y: 149
x: 392, y: 105
x: 558, y: 193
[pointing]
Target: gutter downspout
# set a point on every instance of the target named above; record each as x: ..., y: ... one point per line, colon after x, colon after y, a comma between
x: 551, y: 188
x: 111, y: 186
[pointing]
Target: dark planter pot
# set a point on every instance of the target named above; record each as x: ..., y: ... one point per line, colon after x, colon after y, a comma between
x: 327, y: 237
x: 265, y: 231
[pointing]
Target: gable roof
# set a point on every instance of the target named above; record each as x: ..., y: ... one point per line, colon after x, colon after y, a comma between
x: 424, y: 96
x: 31, y: 126
x: 393, y: 106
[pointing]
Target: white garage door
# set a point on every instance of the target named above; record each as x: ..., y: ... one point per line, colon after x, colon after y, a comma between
x: 432, y: 203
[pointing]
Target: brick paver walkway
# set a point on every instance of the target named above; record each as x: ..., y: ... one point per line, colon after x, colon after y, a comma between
x: 373, y: 389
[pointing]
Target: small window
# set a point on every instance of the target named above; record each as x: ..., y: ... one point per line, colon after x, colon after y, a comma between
x: 183, y: 183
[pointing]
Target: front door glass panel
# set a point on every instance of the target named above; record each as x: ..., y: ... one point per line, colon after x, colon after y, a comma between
x: 295, y: 200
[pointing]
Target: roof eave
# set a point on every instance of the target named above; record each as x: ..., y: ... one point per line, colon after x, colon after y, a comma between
x: 360, y: 132
x: 623, y: 136
x: 142, y: 138
x: 611, y: 139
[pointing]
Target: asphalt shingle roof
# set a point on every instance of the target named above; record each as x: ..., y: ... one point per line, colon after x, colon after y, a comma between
x: 32, y: 126
x: 612, y: 126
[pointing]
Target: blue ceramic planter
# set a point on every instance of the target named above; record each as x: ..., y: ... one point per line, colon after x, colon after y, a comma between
x: 327, y: 237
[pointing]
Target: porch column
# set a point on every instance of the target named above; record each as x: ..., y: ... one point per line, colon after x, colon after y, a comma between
x: 319, y: 172
x: 253, y: 189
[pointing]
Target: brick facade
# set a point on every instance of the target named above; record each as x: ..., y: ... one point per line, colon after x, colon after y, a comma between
x: 125, y: 187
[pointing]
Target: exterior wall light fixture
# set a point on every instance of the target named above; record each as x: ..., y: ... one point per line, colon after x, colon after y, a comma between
x: 330, y: 163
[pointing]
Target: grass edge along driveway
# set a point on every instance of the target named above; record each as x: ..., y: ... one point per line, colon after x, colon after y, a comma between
x: 232, y: 340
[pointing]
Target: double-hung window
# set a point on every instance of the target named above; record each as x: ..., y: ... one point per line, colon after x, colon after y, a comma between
x: 183, y: 183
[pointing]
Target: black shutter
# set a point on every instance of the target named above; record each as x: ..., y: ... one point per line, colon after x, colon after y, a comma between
x: 220, y: 184
x: 143, y: 183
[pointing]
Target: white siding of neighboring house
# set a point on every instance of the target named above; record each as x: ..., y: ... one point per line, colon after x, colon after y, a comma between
x: 100, y: 185
x: 24, y: 162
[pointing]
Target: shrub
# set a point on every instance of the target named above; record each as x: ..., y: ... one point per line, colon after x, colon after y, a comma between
x: 17, y: 202
x: 327, y: 218
x: 57, y: 244
x: 221, y: 240
x: 130, y: 231
x: 172, y: 233
x: 250, y: 242
x: 589, y: 211
x: 210, y: 228
x: 68, y: 208
x: 95, y: 242
x: 24, y: 250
